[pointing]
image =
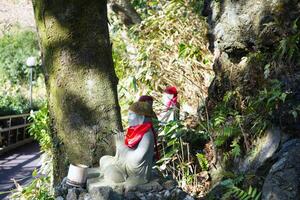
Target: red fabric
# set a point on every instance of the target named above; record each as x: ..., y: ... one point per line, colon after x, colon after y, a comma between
x: 135, y: 134
x: 171, y: 90
x: 172, y: 102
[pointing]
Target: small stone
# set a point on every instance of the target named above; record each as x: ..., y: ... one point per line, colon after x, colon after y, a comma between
x: 158, y: 197
x: 169, y: 184
x: 71, y: 194
x: 151, y: 186
x: 151, y: 196
x: 100, y: 193
x: 140, y: 195
x: 179, y: 194
x: 119, y: 189
x: 84, y: 196
x: 59, y: 198
x: 167, y: 194
x: 188, y: 197
x: 130, y: 195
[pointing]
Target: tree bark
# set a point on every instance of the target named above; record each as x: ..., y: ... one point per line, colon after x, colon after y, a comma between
x: 80, y: 80
x: 125, y: 11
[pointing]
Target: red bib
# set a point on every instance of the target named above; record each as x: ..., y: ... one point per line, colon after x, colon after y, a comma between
x: 135, y: 134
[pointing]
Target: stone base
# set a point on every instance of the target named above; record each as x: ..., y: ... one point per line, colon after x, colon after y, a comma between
x: 96, y: 189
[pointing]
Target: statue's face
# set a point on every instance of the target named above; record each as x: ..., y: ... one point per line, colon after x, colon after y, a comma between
x: 135, y: 119
x: 166, y: 98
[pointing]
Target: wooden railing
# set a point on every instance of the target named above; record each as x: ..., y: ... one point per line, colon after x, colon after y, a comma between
x: 13, y: 132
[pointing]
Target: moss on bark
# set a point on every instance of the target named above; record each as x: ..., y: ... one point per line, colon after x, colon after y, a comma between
x: 80, y: 80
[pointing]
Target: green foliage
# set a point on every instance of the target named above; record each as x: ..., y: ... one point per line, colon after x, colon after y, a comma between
x: 15, y: 48
x: 160, y: 49
x: 171, y: 133
x: 39, y: 128
x: 288, y: 47
x: 235, y: 148
x: 178, y: 159
x: 38, y: 189
x: 236, y: 192
x: 203, y: 162
x: 232, y: 127
x: 13, y: 104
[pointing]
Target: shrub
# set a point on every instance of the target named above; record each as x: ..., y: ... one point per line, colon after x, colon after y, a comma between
x: 15, y: 48
x: 13, y: 105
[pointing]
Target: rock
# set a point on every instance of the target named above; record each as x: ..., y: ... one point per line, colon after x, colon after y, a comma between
x: 167, y: 194
x: 188, y: 197
x: 151, y: 186
x: 62, y: 189
x: 59, y: 198
x: 283, y: 180
x: 101, y: 193
x: 72, y: 194
x: 151, y: 196
x: 217, y: 173
x: 158, y: 197
x: 140, y: 195
x: 169, y: 184
x: 130, y: 195
x: 264, y: 149
x: 177, y: 193
x: 251, y: 31
x: 84, y: 196
x: 216, y: 192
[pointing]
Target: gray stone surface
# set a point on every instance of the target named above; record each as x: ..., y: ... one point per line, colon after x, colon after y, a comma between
x: 169, y: 184
x: 283, y: 180
x: 101, y: 193
x: 264, y: 149
x: 151, y: 186
x: 84, y: 196
x: 157, y: 189
x: 237, y: 26
x: 72, y: 195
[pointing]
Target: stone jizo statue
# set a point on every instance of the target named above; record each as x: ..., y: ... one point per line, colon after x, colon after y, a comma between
x: 171, y: 110
x: 132, y: 164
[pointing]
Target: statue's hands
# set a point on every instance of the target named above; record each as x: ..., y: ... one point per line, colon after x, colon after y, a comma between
x: 121, y: 148
x: 119, y: 137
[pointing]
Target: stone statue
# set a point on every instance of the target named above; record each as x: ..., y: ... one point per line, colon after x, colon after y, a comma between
x: 132, y: 164
x: 146, y: 98
x: 149, y: 99
x: 171, y: 111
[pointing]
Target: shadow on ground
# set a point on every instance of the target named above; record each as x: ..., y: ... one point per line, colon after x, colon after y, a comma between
x: 18, y: 164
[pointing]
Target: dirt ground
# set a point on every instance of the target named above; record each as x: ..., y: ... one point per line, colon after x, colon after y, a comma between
x: 16, y: 13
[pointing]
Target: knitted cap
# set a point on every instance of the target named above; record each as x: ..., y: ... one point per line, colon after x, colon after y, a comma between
x: 145, y: 98
x: 142, y: 108
x: 171, y: 90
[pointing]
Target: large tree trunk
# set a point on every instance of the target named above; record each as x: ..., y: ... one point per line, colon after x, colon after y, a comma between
x: 80, y: 79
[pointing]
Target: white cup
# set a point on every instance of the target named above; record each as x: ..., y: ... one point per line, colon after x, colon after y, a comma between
x: 77, y: 175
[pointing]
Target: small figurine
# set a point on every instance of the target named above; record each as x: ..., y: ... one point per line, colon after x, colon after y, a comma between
x: 171, y: 111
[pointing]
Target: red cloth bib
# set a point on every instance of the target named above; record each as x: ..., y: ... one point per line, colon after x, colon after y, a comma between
x: 135, y: 134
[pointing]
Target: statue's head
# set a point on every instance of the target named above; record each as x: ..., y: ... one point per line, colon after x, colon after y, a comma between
x: 169, y: 93
x: 140, y: 112
x: 146, y: 98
